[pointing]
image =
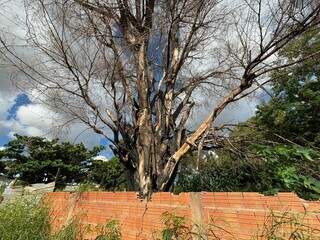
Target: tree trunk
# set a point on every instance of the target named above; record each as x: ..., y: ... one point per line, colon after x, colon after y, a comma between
x: 145, y: 132
x: 144, y: 147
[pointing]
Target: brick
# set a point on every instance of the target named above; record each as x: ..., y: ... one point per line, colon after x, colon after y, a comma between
x: 232, y: 215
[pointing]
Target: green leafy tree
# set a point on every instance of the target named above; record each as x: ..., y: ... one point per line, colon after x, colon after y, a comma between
x: 109, y: 174
x: 294, y: 110
x: 36, y: 159
x: 260, y: 168
x: 292, y: 168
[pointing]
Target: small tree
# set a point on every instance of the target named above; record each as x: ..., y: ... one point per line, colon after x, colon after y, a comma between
x: 37, y: 160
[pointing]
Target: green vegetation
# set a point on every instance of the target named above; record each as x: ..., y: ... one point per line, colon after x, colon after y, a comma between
x: 266, y: 169
x: 23, y: 219
x: 71, y: 231
x: 284, y: 226
x: 28, y: 219
x: 294, y: 109
x: 109, y: 175
x: 174, y: 227
x: 279, y: 148
x: 37, y: 159
x: 109, y: 231
x: 277, y: 226
x: 88, y: 187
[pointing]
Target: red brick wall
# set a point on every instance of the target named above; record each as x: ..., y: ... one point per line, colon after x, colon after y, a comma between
x: 228, y: 215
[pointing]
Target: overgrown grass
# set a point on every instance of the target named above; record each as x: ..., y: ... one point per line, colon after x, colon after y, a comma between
x: 27, y: 218
x: 287, y: 226
x: 109, y: 231
x: 277, y: 226
x: 23, y: 219
x: 71, y: 231
x: 176, y: 227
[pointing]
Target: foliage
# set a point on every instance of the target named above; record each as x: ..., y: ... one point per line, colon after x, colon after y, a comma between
x: 174, y: 227
x: 294, y: 109
x: 293, y: 168
x: 87, y: 187
x: 109, y: 231
x: 36, y: 159
x: 286, y: 225
x: 28, y: 219
x: 227, y: 174
x: 71, y: 231
x: 266, y: 169
x: 108, y: 174
x: 23, y: 219
x: 214, y: 177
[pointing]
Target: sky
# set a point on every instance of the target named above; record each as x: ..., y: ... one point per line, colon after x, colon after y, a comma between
x: 20, y: 114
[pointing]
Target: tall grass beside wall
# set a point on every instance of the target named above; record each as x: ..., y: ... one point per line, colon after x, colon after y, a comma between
x: 24, y: 219
x: 27, y: 218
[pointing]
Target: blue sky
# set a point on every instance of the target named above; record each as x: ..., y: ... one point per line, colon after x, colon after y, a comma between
x: 20, y: 100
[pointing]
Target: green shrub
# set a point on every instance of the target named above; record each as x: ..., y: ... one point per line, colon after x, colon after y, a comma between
x: 23, y: 219
x: 109, y: 231
x: 174, y: 227
x: 88, y: 187
x: 265, y: 169
x: 286, y: 225
x: 292, y: 168
x: 71, y: 231
x: 27, y: 218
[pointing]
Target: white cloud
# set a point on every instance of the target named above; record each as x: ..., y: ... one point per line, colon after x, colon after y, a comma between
x: 101, y: 158
x: 38, y: 120
x: 12, y: 32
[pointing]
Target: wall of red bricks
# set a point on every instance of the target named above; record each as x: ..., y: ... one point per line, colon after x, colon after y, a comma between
x: 228, y: 215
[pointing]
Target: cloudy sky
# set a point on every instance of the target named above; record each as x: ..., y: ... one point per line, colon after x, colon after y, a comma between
x: 20, y: 114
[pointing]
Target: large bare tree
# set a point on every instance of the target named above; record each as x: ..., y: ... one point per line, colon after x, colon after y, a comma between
x: 134, y: 70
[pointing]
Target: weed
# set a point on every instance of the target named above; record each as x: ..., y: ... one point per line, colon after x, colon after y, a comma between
x: 23, y: 219
x: 71, y: 231
x: 109, y: 231
x: 87, y: 187
x: 27, y: 218
x: 287, y: 226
